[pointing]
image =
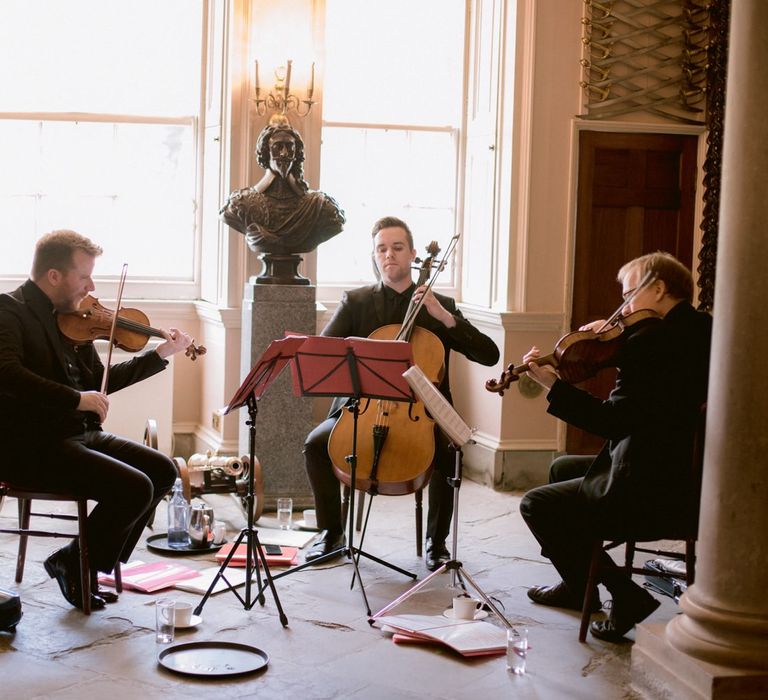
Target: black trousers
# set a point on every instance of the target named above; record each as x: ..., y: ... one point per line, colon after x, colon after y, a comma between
x: 325, y: 486
x: 566, y: 524
x: 127, y: 480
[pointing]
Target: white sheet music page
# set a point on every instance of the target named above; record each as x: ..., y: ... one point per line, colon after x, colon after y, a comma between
x: 437, y: 405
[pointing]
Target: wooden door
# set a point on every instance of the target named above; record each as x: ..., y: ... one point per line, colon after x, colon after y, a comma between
x: 636, y: 195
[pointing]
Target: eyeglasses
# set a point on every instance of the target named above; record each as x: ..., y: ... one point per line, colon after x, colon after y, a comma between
x: 628, y: 293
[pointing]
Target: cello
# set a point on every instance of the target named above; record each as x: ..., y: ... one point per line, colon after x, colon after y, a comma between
x: 396, y: 443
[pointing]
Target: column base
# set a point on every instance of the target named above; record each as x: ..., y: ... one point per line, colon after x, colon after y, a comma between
x: 662, y: 671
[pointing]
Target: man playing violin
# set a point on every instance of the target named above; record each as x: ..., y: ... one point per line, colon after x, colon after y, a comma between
x: 51, y: 411
x: 360, y: 312
x: 642, y: 476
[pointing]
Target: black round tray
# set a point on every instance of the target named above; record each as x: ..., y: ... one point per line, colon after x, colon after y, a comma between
x: 159, y: 543
x: 213, y: 659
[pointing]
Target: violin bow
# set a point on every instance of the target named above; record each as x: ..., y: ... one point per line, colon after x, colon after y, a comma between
x: 121, y: 286
x: 414, y: 310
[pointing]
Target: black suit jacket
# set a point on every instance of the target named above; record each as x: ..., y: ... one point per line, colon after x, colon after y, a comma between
x: 38, y: 398
x: 641, y: 478
x: 363, y: 310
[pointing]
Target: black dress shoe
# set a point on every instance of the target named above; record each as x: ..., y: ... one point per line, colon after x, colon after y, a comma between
x: 61, y: 567
x: 97, y: 602
x: 326, y: 545
x: 560, y: 596
x: 625, y: 614
x: 96, y: 590
x: 437, y: 555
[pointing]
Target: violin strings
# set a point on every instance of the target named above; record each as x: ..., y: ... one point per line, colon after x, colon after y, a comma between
x: 138, y: 327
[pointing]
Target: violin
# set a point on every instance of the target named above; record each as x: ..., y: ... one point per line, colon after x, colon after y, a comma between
x: 92, y: 321
x: 397, y: 444
x: 581, y: 354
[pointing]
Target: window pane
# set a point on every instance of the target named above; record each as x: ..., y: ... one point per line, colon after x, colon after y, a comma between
x: 390, y: 64
x: 394, y: 62
x: 130, y: 187
x: 105, y: 56
x: 421, y: 193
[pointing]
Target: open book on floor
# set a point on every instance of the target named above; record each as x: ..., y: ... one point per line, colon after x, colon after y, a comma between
x: 150, y: 577
x: 468, y: 637
x: 233, y: 577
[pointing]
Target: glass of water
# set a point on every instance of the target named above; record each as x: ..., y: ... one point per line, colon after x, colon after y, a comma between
x: 517, y: 650
x: 165, y: 619
x: 284, y: 513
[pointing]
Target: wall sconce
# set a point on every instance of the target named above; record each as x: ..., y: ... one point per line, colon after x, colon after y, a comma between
x: 281, y: 101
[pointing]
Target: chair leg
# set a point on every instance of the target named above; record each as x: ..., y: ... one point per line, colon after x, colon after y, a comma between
x: 118, y: 573
x: 25, y: 508
x: 419, y: 522
x: 592, y: 580
x: 690, y: 561
x: 85, y: 568
x: 629, y: 557
x: 360, y: 510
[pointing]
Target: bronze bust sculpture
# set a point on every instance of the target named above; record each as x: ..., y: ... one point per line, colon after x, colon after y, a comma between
x: 280, y: 216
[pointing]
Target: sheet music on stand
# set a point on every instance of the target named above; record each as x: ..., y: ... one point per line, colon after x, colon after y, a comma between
x: 441, y: 411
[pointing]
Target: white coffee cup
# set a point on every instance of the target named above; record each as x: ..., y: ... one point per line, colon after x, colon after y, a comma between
x: 310, y: 518
x: 183, y: 614
x: 219, y: 532
x: 464, y: 608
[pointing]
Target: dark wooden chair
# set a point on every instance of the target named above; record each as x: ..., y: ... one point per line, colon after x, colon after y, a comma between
x: 419, y: 514
x: 25, y: 498
x: 688, y: 535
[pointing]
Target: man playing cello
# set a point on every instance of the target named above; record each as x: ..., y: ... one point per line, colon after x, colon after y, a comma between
x: 360, y: 312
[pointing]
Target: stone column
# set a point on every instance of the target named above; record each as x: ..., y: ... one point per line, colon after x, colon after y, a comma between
x: 718, y: 647
x: 283, y: 420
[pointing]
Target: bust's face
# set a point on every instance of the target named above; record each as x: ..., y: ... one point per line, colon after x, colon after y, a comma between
x: 282, y: 151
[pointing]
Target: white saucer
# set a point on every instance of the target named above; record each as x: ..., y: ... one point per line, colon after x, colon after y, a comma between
x: 301, y: 525
x: 194, y: 622
x: 479, y: 615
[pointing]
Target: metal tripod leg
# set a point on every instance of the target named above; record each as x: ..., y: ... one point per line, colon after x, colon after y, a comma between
x: 453, y: 565
x: 253, y: 546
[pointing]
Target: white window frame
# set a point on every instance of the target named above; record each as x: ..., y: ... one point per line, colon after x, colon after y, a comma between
x: 143, y: 288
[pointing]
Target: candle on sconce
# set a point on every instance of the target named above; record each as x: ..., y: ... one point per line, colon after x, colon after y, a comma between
x: 288, y: 79
x: 311, y: 87
x: 256, y: 78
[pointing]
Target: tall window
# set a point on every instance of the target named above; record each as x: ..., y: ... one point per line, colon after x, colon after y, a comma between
x: 391, y: 118
x: 98, y: 128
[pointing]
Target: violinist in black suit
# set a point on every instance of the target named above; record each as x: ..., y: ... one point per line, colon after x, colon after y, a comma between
x: 642, y: 475
x: 360, y: 312
x: 52, y: 408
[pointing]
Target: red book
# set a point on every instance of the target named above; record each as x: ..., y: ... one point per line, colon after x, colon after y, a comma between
x: 287, y: 557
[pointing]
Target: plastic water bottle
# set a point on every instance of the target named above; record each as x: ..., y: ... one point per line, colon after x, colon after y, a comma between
x: 178, y: 518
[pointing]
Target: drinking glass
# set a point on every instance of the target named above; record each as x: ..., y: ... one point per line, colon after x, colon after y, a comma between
x: 165, y: 619
x: 517, y: 650
x: 284, y: 512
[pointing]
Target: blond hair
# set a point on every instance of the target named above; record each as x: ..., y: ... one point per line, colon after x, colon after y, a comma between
x: 665, y: 267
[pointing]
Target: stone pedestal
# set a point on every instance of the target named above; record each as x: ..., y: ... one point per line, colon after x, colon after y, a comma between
x: 661, y: 671
x: 283, y: 420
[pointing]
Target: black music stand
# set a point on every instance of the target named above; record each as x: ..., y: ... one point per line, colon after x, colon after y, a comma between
x: 270, y: 364
x: 459, y: 434
x: 355, y: 368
